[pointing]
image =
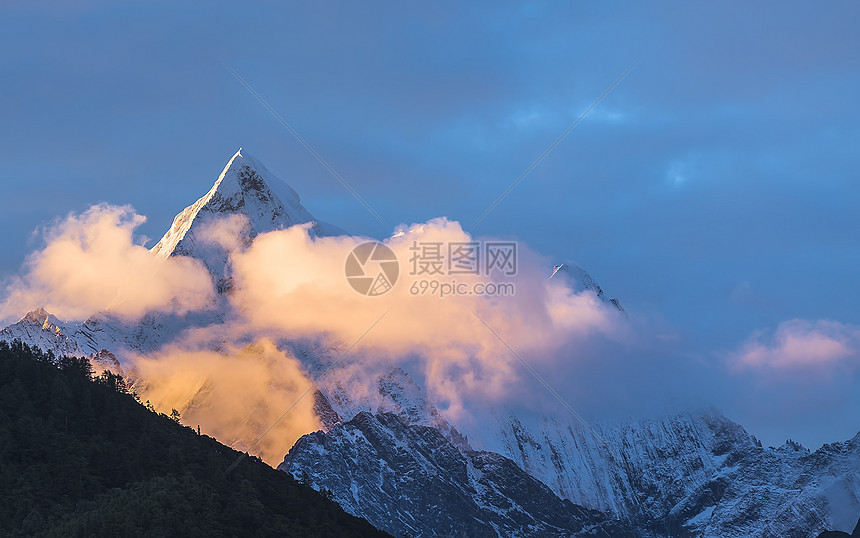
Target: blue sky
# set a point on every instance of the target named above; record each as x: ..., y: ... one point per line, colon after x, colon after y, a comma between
x: 715, y: 189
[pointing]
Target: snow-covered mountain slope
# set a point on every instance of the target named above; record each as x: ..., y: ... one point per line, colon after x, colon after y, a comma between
x: 674, y: 474
x: 410, y: 479
x: 42, y: 329
x: 686, y: 474
x: 346, y: 392
x: 682, y: 474
x: 104, y: 334
x: 392, y: 392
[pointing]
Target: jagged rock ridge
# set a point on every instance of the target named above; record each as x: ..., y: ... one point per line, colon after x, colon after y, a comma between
x: 410, y: 479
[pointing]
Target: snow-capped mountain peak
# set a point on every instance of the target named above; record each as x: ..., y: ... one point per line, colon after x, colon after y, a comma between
x: 579, y: 280
x: 42, y: 317
x: 42, y: 329
x: 244, y: 189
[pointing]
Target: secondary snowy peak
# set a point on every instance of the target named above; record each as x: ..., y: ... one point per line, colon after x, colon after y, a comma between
x: 245, y: 188
x: 42, y: 318
x: 41, y: 329
x: 580, y: 280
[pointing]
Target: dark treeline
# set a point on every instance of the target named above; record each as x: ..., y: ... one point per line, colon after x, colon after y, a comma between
x: 79, y: 456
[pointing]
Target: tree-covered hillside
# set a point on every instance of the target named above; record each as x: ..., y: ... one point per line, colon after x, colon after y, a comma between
x: 79, y: 456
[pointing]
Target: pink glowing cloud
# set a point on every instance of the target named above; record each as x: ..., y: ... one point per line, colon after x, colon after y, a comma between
x: 801, y: 345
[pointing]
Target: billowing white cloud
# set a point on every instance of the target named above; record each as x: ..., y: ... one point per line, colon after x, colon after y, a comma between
x: 90, y: 263
x: 231, y: 232
x: 289, y: 283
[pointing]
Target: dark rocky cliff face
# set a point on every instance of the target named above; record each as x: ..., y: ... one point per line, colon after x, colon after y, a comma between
x: 411, y: 479
x: 400, y: 476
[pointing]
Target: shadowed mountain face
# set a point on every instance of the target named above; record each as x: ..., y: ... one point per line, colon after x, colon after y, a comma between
x: 411, y: 479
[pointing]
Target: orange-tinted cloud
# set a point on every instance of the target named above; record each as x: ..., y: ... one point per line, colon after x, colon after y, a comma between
x: 235, y: 394
x: 291, y: 284
x: 90, y: 263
